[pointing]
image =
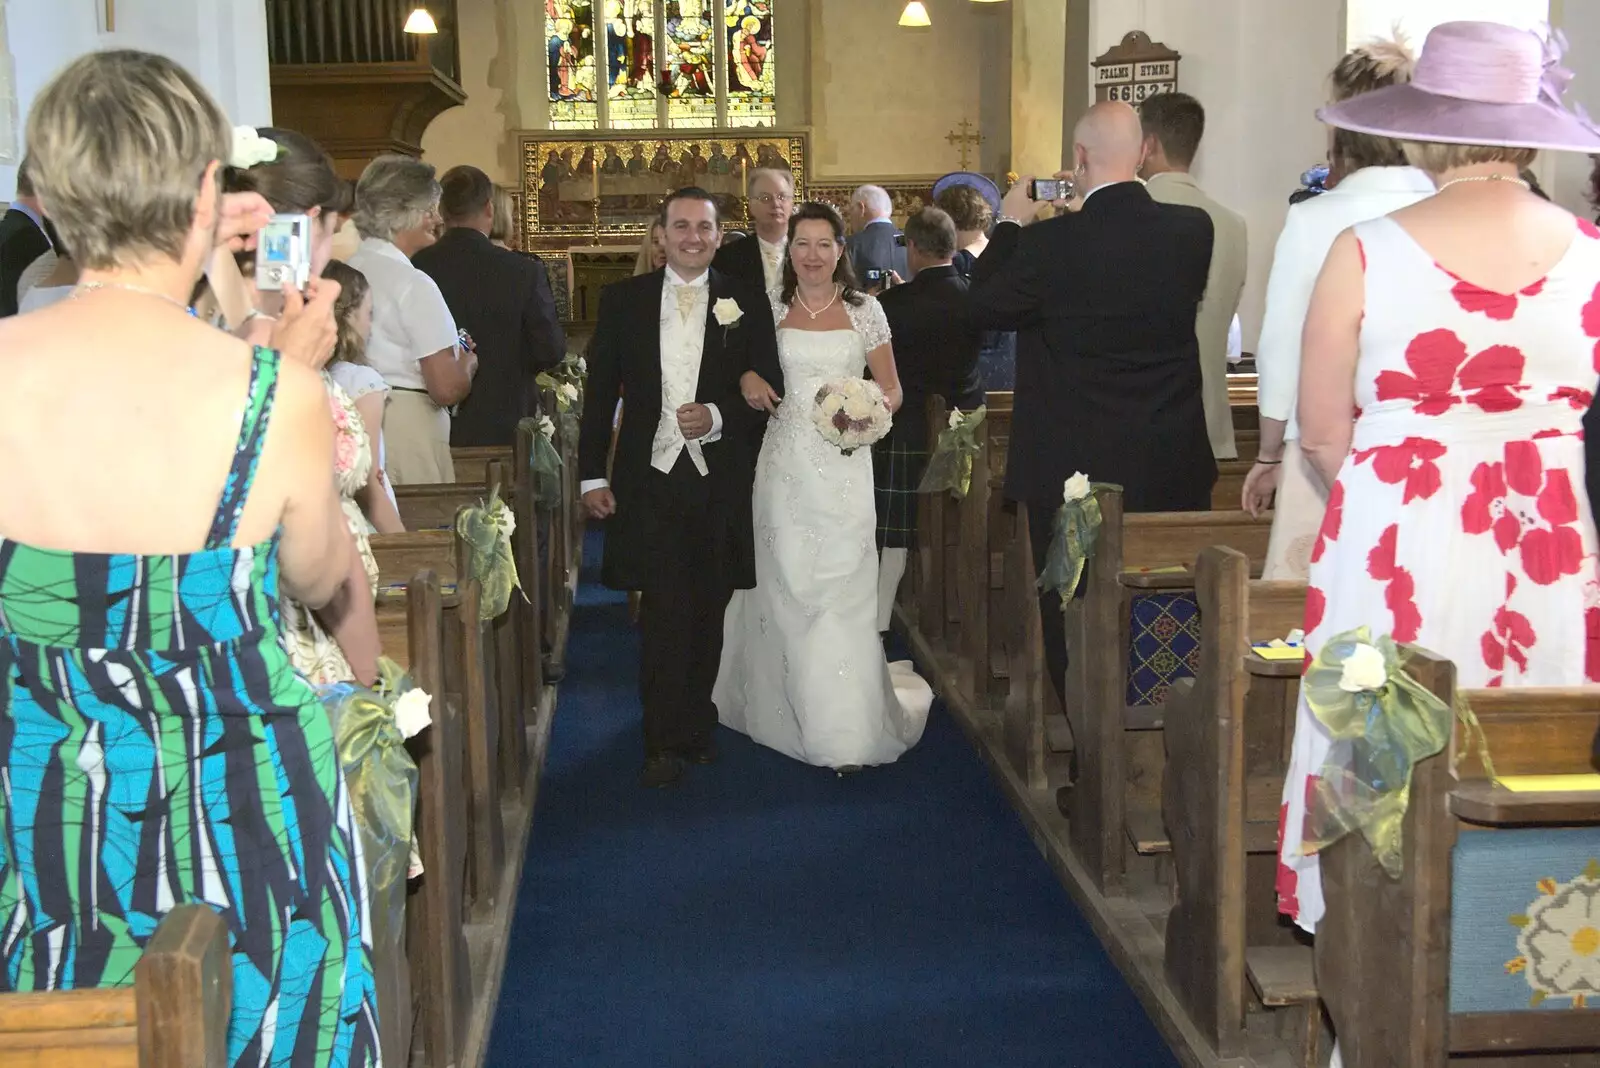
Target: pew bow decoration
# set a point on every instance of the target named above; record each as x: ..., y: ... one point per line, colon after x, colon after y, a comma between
x: 487, y: 529
x: 565, y: 382
x: 950, y: 466
x: 1072, y: 538
x: 370, y: 727
x: 545, y: 463
x: 1382, y: 723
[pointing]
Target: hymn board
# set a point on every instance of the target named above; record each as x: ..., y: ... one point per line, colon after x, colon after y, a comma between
x: 1135, y: 70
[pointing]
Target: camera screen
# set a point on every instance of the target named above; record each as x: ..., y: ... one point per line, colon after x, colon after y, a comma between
x: 277, y: 242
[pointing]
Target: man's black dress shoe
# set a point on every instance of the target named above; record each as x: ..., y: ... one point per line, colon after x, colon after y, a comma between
x: 701, y: 751
x: 661, y: 770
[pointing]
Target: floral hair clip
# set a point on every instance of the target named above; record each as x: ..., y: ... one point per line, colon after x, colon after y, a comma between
x: 250, y: 148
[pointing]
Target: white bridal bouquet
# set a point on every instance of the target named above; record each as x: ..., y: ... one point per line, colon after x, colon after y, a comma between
x: 850, y: 413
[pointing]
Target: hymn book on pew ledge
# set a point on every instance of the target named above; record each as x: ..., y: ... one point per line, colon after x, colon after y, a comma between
x: 1550, y: 784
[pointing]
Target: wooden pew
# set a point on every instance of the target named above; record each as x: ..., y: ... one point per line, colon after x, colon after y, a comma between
x: 472, y: 461
x: 1117, y: 743
x: 1402, y: 966
x: 174, y: 1016
x: 436, y: 947
x: 983, y: 528
x: 1229, y: 486
x: 563, y: 553
x: 470, y: 682
x: 434, y: 506
x: 1228, y: 732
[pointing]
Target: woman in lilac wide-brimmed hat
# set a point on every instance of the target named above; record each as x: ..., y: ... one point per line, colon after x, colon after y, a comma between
x: 1463, y: 333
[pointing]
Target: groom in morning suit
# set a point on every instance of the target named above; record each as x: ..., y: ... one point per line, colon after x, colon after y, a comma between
x: 680, y: 530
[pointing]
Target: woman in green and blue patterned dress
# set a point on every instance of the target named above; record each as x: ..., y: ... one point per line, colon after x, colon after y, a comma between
x: 160, y: 484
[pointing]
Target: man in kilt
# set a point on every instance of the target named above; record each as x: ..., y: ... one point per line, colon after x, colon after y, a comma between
x: 936, y: 355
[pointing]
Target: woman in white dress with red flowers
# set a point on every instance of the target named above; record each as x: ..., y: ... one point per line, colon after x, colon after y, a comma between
x: 802, y: 668
x: 1463, y: 331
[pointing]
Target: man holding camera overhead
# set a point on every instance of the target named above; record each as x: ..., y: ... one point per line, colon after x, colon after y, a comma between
x: 1103, y: 300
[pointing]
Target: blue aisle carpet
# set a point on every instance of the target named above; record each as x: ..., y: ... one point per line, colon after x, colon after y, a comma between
x: 766, y: 914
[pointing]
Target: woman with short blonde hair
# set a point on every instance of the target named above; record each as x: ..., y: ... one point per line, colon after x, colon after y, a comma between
x: 157, y: 745
x: 414, y: 343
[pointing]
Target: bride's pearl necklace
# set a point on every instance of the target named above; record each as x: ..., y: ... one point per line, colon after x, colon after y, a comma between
x: 831, y: 300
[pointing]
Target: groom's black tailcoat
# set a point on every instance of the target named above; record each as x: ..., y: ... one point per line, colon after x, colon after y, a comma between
x: 686, y: 541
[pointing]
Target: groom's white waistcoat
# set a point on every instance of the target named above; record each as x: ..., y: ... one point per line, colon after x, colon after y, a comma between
x: 683, y: 338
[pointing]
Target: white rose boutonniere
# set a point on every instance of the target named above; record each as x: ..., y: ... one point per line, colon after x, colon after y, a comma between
x: 411, y: 711
x: 1076, y: 488
x: 250, y: 148
x: 727, y: 312
x: 1364, y: 669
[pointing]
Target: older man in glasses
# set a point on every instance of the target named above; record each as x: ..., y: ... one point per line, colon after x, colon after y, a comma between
x: 771, y: 193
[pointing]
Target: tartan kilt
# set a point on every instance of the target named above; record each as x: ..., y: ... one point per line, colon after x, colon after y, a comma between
x: 897, y: 468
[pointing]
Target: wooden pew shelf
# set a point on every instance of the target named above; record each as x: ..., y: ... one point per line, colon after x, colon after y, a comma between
x: 1281, y: 975
x: 1491, y: 805
x: 1262, y: 668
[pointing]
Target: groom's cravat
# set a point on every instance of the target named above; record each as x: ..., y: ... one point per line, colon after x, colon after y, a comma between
x: 684, y: 307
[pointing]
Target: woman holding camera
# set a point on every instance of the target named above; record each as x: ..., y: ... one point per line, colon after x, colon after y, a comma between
x: 160, y: 484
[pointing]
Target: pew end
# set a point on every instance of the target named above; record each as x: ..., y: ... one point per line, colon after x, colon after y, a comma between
x: 1408, y: 969
x: 174, y: 1016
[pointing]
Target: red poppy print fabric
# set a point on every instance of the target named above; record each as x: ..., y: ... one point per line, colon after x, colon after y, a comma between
x: 1459, y: 520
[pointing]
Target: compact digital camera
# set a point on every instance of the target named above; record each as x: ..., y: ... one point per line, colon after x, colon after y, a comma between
x: 283, y: 253
x: 1051, y: 189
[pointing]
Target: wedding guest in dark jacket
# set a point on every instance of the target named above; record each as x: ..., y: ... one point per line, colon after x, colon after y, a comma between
x: 936, y: 353
x: 24, y: 237
x: 1103, y: 300
x: 503, y: 300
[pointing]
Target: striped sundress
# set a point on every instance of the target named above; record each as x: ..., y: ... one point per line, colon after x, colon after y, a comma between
x: 157, y: 749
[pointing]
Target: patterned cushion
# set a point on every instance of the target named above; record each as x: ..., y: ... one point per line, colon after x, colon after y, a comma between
x: 1525, y: 920
x: 1163, y: 645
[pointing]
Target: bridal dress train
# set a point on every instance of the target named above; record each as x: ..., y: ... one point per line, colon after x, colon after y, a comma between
x: 802, y: 669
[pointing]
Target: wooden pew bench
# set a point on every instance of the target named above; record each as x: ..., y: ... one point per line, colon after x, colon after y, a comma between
x: 175, y: 1015
x: 471, y: 462
x: 1228, y: 732
x: 1130, y: 635
x: 434, y: 506
x: 1474, y: 953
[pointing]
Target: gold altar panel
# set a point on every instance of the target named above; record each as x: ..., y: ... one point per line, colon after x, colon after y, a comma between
x: 591, y: 188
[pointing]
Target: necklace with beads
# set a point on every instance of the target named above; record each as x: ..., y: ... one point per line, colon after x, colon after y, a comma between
x: 801, y: 301
x: 84, y: 288
x: 1483, y: 178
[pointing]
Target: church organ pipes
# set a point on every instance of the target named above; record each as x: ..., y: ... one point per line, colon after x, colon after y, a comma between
x: 309, y: 32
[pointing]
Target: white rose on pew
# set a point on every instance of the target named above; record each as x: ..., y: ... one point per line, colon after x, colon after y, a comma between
x: 727, y: 311
x: 547, y: 427
x: 1364, y: 669
x: 569, y: 392
x: 583, y: 366
x: 1077, y: 488
x: 411, y: 711
x: 955, y: 418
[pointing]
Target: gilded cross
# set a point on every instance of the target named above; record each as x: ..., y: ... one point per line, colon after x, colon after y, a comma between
x: 968, y: 138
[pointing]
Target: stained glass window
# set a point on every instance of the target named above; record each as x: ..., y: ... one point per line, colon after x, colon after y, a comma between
x: 663, y: 62
x: 569, y: 25
x: 751, y: 100
x: 631, y: 64
x: 688, y: 72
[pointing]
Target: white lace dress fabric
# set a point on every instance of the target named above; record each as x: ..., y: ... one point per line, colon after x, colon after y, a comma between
x: 802, y: 669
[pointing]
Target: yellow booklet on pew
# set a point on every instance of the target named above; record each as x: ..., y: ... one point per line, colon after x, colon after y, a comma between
x: 1279, y: 652
x: 1538, y: 784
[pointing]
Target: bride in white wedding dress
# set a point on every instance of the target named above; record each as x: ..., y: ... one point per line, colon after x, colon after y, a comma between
x: 802, y: 670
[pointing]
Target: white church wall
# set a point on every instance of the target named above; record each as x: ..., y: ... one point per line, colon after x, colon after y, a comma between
x: 1259, y: 67
x: 222, y: 42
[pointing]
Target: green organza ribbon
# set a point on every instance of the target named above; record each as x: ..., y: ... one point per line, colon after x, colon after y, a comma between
x: 381, y: 779
x: 950, y: 466
x: 1379, y: 735
x: 1072, y: 541
x: 487, y: 531
x: 545, y: 464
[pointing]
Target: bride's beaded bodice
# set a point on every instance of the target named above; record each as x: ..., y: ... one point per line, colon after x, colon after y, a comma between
x: 811, y: 358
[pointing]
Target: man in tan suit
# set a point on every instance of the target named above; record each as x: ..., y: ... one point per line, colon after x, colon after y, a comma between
x: 1173, y: 126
